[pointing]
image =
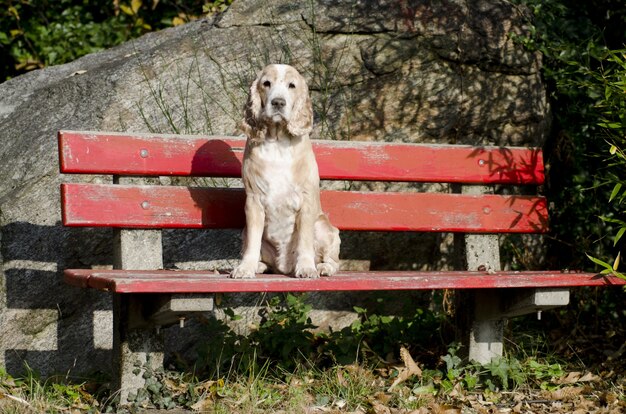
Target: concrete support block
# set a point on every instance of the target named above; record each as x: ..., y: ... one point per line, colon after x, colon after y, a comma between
x: 174, y: 308
x: 138, y: 249
x: 137, y: 344
x: 487, y: 328
x: 134, y: 350
x: 482, y: 252
x: 525, y: 301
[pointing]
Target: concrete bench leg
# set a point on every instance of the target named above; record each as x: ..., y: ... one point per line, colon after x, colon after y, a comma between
x: 135, y: 341
x: 488, y: 308
x: 487, y: 328
x: 134, y: 349
x: 482, y: 252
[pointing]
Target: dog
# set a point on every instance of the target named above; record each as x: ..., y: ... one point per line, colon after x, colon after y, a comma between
x: 286, y: 230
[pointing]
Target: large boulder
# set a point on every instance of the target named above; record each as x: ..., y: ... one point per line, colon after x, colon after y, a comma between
x: 413, y: 71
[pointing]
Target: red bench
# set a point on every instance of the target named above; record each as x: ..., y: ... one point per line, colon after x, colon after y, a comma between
x: 146, y: 296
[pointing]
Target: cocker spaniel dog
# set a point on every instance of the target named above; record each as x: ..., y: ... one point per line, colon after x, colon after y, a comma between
x: 286, y: 230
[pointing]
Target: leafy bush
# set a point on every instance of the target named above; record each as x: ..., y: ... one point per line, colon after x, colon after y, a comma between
x: 39, y: 33
x: 582, y: 43
x: 286, y: 338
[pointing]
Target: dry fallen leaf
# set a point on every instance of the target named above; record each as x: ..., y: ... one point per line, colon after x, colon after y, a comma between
x: 409, y: 370
x: 564, y: 393
x: 379, y: 408
x: 575, y: 377
x: 589, y: 377
x: 204, y: 404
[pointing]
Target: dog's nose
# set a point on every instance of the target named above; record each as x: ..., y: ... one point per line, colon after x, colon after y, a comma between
x: 278, y: 103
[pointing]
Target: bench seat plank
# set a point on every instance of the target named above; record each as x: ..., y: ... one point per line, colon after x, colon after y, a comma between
x: 174, y: 281
x: 152, y: 154
x: 191, y: 207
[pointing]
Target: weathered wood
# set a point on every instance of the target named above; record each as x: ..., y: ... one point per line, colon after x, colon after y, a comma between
x: 179, y: 281
x: 152, y: 154
x: 185, y: 207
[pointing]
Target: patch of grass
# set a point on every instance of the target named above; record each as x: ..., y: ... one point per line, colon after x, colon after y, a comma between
x: 32, y: 394
x: 347, y: 387
x: 251, y: 374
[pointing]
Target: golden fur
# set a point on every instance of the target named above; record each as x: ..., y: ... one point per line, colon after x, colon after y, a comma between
x: 286, y: 230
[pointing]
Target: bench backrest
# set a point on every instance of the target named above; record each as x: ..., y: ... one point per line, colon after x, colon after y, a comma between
x: 149, y: 206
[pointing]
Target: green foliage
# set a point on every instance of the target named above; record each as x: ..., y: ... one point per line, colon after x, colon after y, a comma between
x: 32, y: 394
x: 545, y: 373
x: 582, y: 43
x: 503, y: 373
x: 286, y: 337
x: 252, y: 373
x: 456, y: 371
x: 285, y: 331
x: 39, y: 33
x: 285, y: 340
x: 283, y: 335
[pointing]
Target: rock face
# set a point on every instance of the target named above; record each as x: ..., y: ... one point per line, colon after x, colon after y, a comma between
x: 401, y: 70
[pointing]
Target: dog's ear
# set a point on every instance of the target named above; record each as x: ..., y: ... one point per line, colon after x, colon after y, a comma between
x: 251, y: 124
x: 301, y: 122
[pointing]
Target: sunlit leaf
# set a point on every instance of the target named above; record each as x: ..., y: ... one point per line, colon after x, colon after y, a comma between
x: 12, y: 10
x: 600, y: 262
x: 615, y: 191
x: 126, y: 9
x: 136, y: 5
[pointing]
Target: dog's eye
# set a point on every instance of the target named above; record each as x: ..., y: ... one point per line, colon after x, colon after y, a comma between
x: 267, y: 84
x: 292, y: 85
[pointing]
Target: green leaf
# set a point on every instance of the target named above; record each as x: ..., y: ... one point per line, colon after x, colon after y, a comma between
x: 615, y: 191
x: 600, y: 262
x: 613, y: 220
x: 499, y: 368
x: 126, y: 9
x: 619, y: 235
x: 12, y: 10
x: 452, y: 362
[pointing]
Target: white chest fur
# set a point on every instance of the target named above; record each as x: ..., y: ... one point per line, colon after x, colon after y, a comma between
x: 276, y: 179
x: 280, y: 195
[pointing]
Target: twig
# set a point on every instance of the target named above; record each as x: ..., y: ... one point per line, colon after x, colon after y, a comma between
x: 17, y: 399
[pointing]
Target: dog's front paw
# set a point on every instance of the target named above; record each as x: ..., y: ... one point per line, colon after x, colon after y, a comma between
x: 306, y: 272
x: 326, y: 269
x: 243, y: 271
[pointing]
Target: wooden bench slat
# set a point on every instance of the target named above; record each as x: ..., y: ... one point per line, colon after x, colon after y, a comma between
x: 102, y: 205
x: 161, y: 281
x: 140, y: 154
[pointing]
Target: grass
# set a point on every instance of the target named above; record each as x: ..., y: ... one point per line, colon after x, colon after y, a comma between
x: 32, y: 395
x: 253, y: 378
x: 341, y: 388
